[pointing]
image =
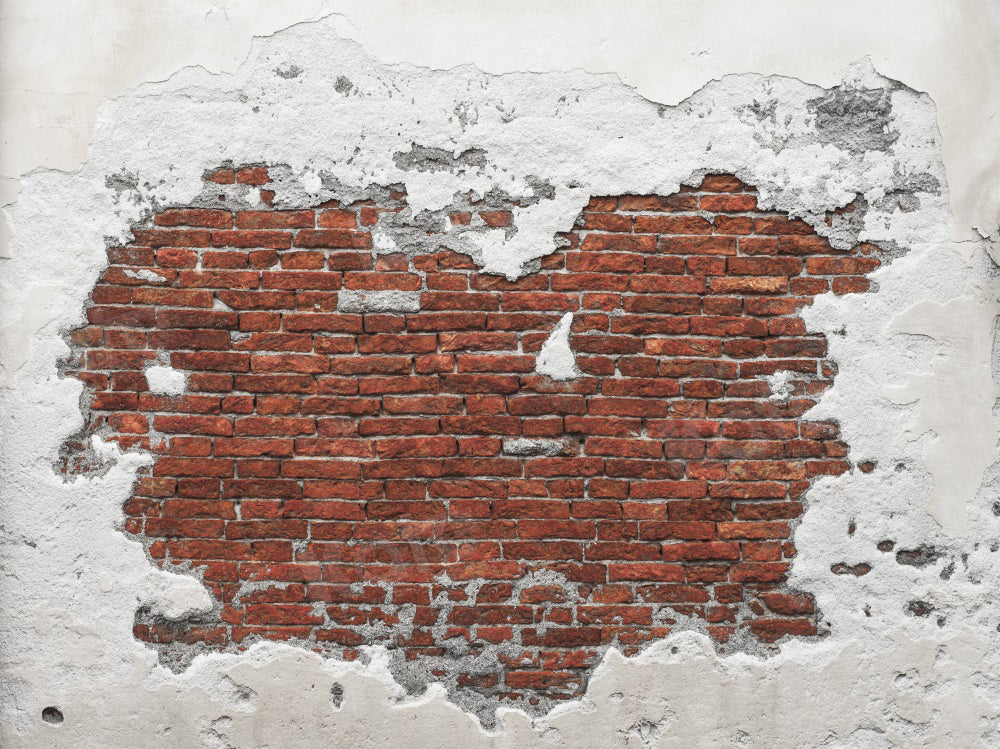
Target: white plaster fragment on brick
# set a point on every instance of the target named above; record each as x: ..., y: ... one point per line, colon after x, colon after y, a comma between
x: 378, y: 301
x: 781, y: 384
x: 165, y: 380
x: 145, y: 274
x: 556, y: 359
x: 527, y: 446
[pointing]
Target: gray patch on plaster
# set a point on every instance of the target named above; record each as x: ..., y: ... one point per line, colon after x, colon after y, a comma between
x: 921, y: 556
x: 337, y: 694
x: 431, y: 159
x: 288, y: 71
x: 423, y: 222
x: 122, y: 182
x: 343, y: 85
x: 855, y: 119
x: 378, y: 301
x: 556, y: 359
x: 920, y: 608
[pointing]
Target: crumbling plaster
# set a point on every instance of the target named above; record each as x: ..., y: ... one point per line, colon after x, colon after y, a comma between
x: 914, y: 396
x: 61, y: 60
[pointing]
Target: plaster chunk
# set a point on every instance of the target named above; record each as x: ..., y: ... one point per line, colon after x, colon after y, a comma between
x: 556, y: 359
x: 781, y: 384
x: 165, y: 380
x: 145, y: 275
x: 175, y: 596
x: 378, y: 301
x: 525, y: 446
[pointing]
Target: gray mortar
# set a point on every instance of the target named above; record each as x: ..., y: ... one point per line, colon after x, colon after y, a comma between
x: 290, y: 191
x: 921, y: 556
x: 409, y: 232
x: 288, y: 71
x: 855, y: 119
x: 123, y: 182
x: 431, y: 159
x: 232, y: 197
x: 920, y: 608
x: 844, y: 229
x: 414, y: 676
x: 905, y: 193
x: 343, y: 85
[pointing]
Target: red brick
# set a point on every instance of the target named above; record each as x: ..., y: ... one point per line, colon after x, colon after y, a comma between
x: 252, y: 175
x: 333, y: 239
x: 788, y: 604
x: 374, y: 441
x: 685, y: 551
x: 646, y: 571
x: 273, y: 219
x: 770, y: 630
x: 672, y: 225
x: 200, y: 217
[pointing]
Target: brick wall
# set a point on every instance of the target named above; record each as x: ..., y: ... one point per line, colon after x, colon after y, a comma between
x: 345, y: 478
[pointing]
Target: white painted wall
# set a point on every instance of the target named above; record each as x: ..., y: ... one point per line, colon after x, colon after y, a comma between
x: 915, y: 390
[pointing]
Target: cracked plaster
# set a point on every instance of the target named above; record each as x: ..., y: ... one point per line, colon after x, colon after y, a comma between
x: 911, y: 658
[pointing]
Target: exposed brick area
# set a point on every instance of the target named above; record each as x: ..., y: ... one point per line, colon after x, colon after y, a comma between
x: 358, y: 459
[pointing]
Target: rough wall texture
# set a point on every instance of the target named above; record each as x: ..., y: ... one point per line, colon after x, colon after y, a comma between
x: 363, y: 451
x: 899, y: 552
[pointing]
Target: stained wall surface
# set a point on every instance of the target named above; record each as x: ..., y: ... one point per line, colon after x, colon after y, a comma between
x: 348, y: 400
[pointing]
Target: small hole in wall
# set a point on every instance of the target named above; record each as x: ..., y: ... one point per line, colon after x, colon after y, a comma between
x: 337, y: 694
x: 52, y: 715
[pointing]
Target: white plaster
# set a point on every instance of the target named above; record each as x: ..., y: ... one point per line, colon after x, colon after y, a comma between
x: 556, y: 359
x: 384, y: 243
x: 59, y: 60
x: 174, y: 597
x: 145, y: 275
x: 165, y: 379
x: 781, y: 385
x: 527, y: 446
x: 881, y: 677
x: 349, y: 300
x: 953, y: 391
